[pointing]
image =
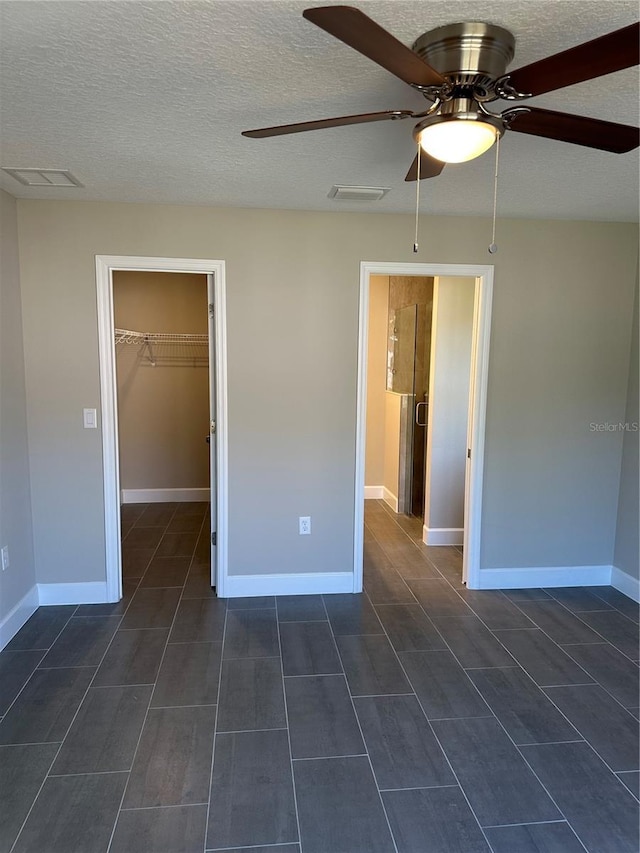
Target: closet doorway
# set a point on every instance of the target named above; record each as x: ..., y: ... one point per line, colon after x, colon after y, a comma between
x: 163, y: 392
x: 433, y: 328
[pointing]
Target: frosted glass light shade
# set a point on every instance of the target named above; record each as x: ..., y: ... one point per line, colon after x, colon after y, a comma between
x: 457, y: 140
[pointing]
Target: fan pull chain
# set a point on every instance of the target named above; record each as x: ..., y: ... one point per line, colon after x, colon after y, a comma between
x: 415, y: 242
x: 493, y: 248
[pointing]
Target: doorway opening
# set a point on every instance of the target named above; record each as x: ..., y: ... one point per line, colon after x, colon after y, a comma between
x: 423, y: 361
x: 163, y: 414
x: 162, y: 387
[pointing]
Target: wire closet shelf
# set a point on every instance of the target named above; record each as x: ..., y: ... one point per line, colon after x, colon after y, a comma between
x: 167, y: 347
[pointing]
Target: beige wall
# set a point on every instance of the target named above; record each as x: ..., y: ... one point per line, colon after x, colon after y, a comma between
x: 376, y: 379
x: 392, y: 442
x: 627, y: 547
x: 163, y: 411
x: 15, y: 499
x: 449, y: 401
x: 561, y: 333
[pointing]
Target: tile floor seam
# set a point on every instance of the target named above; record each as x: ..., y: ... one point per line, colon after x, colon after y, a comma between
x: 355, y: 713
x: 417, y: 788
x: 55, y: 757
x: 552, y: 743
x: 529, y: 823
x: 380, y: 695
x: 390, y: 558
x: 156, y: 808
x: 251, y: 847
x: 37, y: 666
x: 286, y: 717
x: 523, y: 757
x: 434, y: 733
x: 492, y: 714
x: 592, y: 683
x: 613, y: 607
x: 215, y: 724
x: 504, y: 728
x: 162, y: 657
x: 88, y: 773
x: 207, y: 521
x: 249, y: 731
x: 493, y: 632
x: 600, y: 642
x: 330, y: 757
x: 267, y: 657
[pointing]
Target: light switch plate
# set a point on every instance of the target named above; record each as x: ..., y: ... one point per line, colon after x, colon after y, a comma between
x: 90, y: 418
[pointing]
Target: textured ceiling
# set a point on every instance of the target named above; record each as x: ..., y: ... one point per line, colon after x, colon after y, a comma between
x: 145, y: 102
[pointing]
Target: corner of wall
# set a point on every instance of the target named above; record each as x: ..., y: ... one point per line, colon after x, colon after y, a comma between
x: 627, y: 539
x: 18, y: 591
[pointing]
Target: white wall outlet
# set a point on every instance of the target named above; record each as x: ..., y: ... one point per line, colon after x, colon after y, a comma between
x: 5, y: 558
x: 90, y: 418
x: 304, y: 525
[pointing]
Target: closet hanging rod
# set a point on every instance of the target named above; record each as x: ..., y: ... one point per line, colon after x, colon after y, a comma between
x: 127, y: 336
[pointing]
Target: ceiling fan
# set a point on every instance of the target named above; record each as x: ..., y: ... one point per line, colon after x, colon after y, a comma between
x: 460, y: 68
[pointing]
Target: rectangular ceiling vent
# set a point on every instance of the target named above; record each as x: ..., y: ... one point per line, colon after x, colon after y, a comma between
x: 342, y: 193
x: 43, y: 177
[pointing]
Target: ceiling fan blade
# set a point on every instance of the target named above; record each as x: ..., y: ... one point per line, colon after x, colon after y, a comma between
x: 429, y: 167
x: 354, y: 28
x: 595, y: 58
x: 580, y: 130
x: 320, y: 124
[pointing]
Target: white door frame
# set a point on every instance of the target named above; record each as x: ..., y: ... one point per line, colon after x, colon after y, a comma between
x: 106, y: 265
x: 483, y: 275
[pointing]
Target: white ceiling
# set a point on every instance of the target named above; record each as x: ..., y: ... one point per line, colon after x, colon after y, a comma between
x: 145, y: 102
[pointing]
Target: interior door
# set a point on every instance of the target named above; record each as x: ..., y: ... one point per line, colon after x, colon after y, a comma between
x: 213, y: 445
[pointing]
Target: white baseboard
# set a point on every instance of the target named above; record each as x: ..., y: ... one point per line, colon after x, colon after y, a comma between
x: 18, y: 615
x: 373, y: 493
x: 443, y: 535
x: 151, y: 496
x: 625, y: 583
x: 92, y: 592
x: 244, y: 586
x: 389, y: 498
x: 545, y: 576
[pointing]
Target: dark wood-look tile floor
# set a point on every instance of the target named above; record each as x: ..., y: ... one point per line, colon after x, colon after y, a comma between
x: 416, y: 717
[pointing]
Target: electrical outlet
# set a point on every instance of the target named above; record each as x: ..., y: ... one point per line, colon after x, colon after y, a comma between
x: 304, y: 525
x: 5, y: 558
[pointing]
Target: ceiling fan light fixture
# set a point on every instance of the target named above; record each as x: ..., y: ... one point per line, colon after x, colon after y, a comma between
x: 457, y: 139
x: 460, y: 131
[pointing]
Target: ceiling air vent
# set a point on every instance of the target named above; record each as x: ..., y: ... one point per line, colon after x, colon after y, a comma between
x: 340, y: 193
x: 43, y: 177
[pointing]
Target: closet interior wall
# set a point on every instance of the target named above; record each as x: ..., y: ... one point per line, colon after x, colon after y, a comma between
x: 163, y: 388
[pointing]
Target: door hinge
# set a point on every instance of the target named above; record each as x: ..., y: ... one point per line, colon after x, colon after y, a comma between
x: 214, y: 538
x: 468, y: 453
x: 211, y: 310
x: 213, y: 427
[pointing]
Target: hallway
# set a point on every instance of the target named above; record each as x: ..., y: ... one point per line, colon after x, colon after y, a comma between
x: 419, y: 717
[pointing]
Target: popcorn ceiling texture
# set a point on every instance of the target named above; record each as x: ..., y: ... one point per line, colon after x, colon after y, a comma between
x: 145, y: 102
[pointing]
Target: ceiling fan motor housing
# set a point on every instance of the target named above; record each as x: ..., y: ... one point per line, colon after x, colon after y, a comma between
x: 471, y: 54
